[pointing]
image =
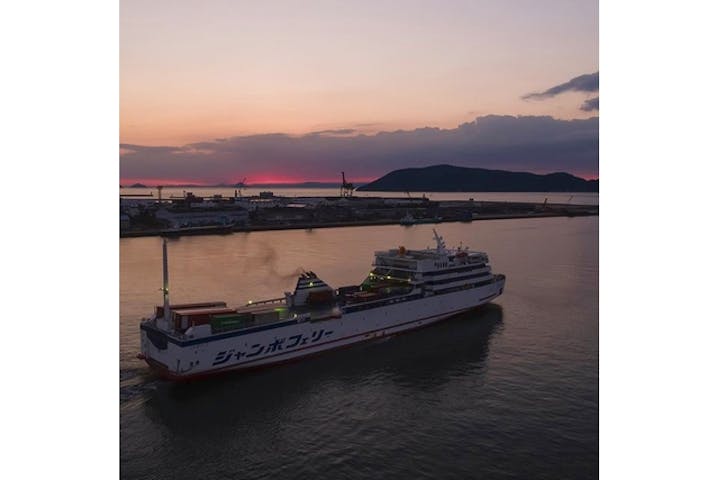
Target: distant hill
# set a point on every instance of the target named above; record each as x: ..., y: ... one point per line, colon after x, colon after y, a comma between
x: 448, y: 178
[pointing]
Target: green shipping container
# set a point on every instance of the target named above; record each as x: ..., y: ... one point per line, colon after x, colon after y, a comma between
x: 233, y: 321
x: 233, y: 316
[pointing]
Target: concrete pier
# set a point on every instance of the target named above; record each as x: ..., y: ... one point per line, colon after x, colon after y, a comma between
x: 193, y: 215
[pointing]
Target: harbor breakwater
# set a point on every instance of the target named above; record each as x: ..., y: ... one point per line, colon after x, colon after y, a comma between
x: 192, y: 215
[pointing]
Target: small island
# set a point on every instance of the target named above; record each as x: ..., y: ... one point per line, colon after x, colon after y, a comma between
x: 450, y: 178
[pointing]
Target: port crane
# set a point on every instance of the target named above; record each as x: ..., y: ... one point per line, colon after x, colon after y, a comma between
x: 544, y: 205
x: 240, y: 186
x: 347, y: 188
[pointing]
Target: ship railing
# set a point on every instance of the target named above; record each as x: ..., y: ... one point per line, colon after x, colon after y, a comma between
x: 393, y: 267
x: 266, y: 302
x: 355, y: 307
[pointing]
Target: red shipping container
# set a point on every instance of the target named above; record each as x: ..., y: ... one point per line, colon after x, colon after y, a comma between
x: 184, y: 319
x: 160, y: 310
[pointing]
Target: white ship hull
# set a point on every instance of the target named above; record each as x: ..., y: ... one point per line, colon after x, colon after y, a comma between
x: 190, y: 358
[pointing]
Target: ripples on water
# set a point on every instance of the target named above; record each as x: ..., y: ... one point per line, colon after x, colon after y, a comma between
x: 506, y: 391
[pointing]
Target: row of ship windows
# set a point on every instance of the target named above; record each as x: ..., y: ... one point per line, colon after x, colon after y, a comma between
x: 357, y: 308
x: 381, y: 304
x: 455, y: 270
x: 457, y: 279
x: 463, y: 287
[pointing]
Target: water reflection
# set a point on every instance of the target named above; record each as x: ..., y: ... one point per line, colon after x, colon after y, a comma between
x: 509, y: 393
x: 420, y: 361
x: 428, y: 358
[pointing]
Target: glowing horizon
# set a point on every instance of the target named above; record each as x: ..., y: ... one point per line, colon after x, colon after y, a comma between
x: 268, y: 180
x: 273, y: 179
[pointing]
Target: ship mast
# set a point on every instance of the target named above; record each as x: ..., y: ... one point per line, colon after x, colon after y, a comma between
x: 440, y: 242
x: 165, y: 286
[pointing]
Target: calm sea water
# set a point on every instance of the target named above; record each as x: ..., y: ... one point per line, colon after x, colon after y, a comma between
x: 578, y: 198
x: 508, y: 391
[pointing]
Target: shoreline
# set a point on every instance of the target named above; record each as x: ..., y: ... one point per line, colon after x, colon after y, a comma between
x: 356, y: 223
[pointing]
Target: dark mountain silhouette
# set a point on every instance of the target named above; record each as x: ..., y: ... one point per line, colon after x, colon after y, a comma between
x: 448, y: 178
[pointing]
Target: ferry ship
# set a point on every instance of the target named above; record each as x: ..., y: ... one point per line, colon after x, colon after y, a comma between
x: 406, y: 289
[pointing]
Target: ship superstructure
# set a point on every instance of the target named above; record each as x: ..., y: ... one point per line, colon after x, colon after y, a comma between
x: 406, y: 289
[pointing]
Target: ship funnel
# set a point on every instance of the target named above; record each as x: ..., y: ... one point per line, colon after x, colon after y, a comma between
x: 311, y: 290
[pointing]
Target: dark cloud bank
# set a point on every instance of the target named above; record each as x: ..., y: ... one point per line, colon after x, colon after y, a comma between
x: 590, y: 105
x: 582, y: 83
x: 526, y: 143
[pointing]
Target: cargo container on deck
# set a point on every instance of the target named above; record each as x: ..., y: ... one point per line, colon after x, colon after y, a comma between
x: 160, y: 310
x: 185, y: 319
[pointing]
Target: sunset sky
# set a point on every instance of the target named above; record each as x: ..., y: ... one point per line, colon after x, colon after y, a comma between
x: 202, y: 84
